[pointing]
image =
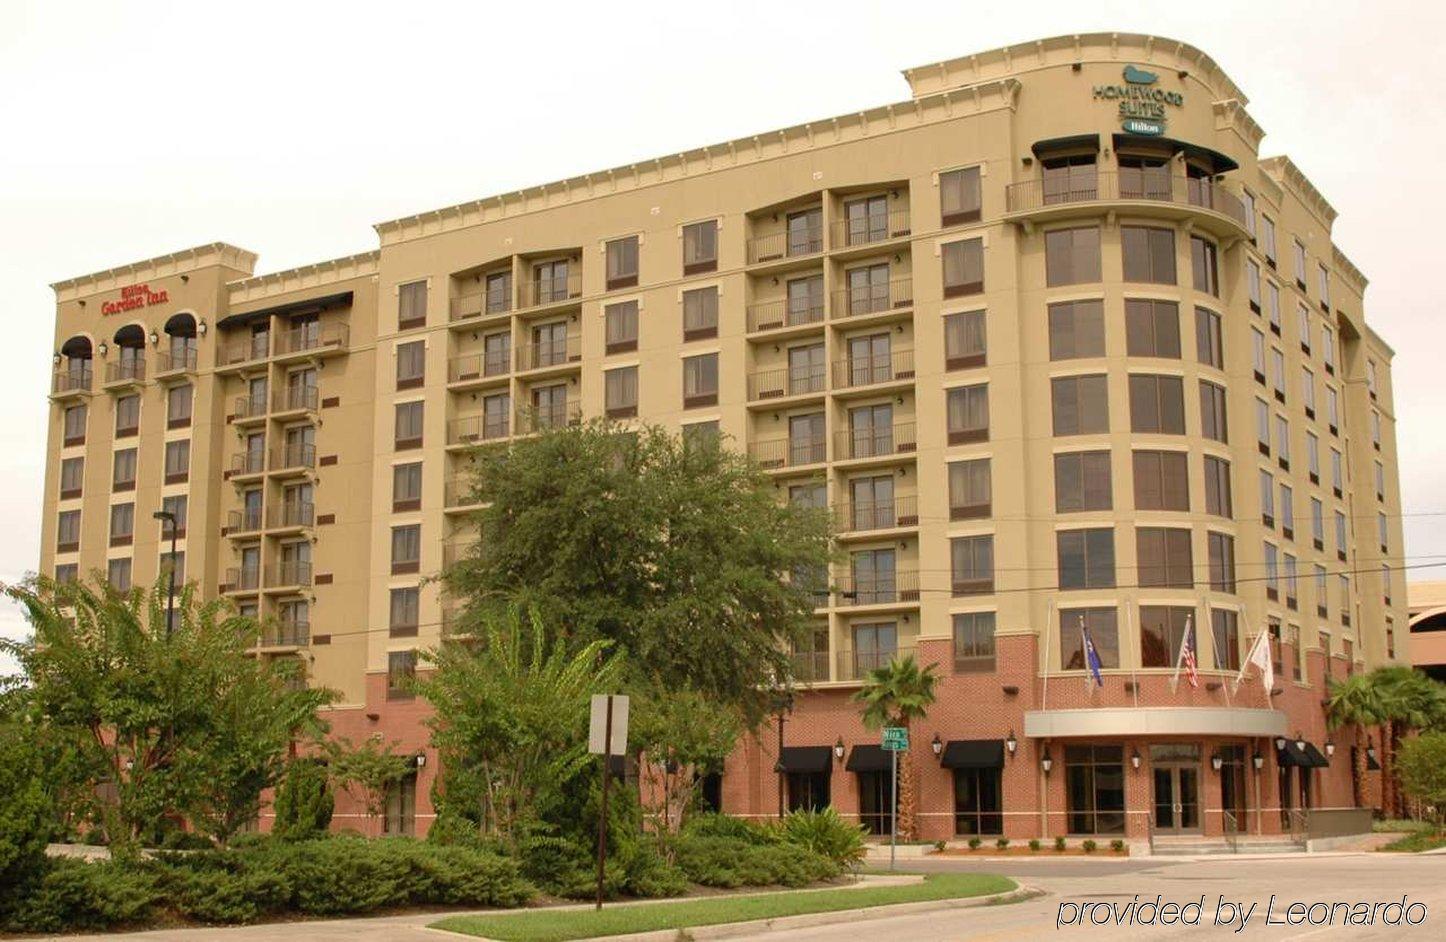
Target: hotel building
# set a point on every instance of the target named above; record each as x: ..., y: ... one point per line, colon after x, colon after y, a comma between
x: 1051, y: 339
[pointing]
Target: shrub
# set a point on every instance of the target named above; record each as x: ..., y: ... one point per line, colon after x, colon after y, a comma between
x: 1117, y: 845
x: 646, y: 874
x: 1089, y: 846
x: 826, y: 834
x: 1002, y: 843
x: 26, y: 812
x: 73, y: 894
x: 1059, y: 843
x: 940, y: 845
x: 974, y: 843
x: 186, y: 840
x: 304, y: 802
x: 725, y: 825
x: 1034, y: 845
x: 729, y: 862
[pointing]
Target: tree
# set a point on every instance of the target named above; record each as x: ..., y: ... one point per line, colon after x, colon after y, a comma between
x: 1355, y: 702
x: 304, y: 802
x: 150, y: 713
x: 1409, y: 701
x: 510, y: 721
x: 27, y: 812
x: 366, y: 771
x: 1422, y: 768
x: 680, y: 733
x: 896, y: 695
x: 678, y: 554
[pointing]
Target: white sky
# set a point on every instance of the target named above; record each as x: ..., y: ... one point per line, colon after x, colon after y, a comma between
x: 133, y: 129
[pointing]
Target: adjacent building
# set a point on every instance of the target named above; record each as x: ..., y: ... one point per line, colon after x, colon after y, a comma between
x: 1064, y: 355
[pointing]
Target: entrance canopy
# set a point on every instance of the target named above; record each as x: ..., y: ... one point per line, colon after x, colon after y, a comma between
x: 1155, y: 721
x: 973, y: 754
x: 1308, y: 758
x: 805, y: 759
x: 869, y: 759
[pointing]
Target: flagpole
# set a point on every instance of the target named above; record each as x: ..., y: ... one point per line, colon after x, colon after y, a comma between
x: 1044, y: 668
x: 1134, y: 677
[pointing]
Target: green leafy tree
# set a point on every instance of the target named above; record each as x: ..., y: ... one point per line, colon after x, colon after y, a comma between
x: 366, y: 771
x: 681, y: 734
x: 1355, y: 702
x: 1421, y: 765
x: 896, y: 695
x: 677, y: 553
x: 152, y: 713
x: 510, y: 721
x: 304, y: 803
x: 27, y: 812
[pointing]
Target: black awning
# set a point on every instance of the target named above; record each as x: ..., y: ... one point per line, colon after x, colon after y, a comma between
x: 1317, y: 760
x: 1072, y: 142
x: 806, y: 759
x: 1219, y: 163
x: 306, y: 306
x: 1304, y: 758
x: 869, y: 759
x: 973, y: 754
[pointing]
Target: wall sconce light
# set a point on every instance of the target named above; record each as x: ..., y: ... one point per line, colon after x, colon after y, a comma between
x: 838, y: 749
x: 1257, y: 760
x: 1045, y: 762
x: 201, y: 328
x: 421, y: 759
x: 1135, y: 759
x: 1217, y: 762
x: 1299, y: 741
x: 155, y: 338
x: 1280, y: 744
x: 1371, y: 750
x: 937, y: 745
x: 104, y: 348
x: 1010, y: 743
x: 56, y: 359
x: 1330, y: 749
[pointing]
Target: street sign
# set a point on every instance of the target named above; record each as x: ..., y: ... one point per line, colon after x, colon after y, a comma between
x: 598, y: 725
x: 896, y: 738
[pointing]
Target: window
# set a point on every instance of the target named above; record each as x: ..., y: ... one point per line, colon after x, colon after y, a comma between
x: 1247, y: 200
x: 700, y: 247
x: 411, y: 305
x: 178, y: 406
x: 123, y: 470
x: 1333, y: 408
x: 1282, y: 441
x: 1225, y: 633
x: 1209, y: 344
x: 1302, y: 317
x: 1082, y: 481
x: 1267, y: 498
x: 806, y: 438
x: 1103, y: 626
x: 1292, y: 593
x: 1307, y: 391
x: 1262, y: 426
x: 1371, y: 378
x: 1267, y: 239
x: 960, y: 196
x: 1272, y: 571
x: 127, y: 416
x: 499, y: 292
x: 965, y: 343
x: 67, y: 531
x: 1162, y: 480
x: 1212, y: 412
x: 1162, y: 632
x: 805, y: 232
x: 1221, y: 547
x: 1383, y: 531
x: 178, y: 461
x: 1380, y: 481
x: 1095, y: 788
x: 1070, y: 179
x: 1376, y: 430
x: 978, y: 799
x: 870, y: 432
x: 1152, y: 329
x: 1257, y: 351
x: 1341, y: 534
x: 1312, y: 455
x: 66, y: 572
x: 622, y: 263
x: 1272, y: 299
x: 1149, y: 254
x: 701, y: 434
x: 73, y: 425
x: 406, y: 548
x: 1299, y: 255
x: 1277, y: 373
x: 403, y: 617
x: 974, y: 642
x: 1072, y: 256
x: 1204, y: 265
x: 700, y: 313
x: 874, y: 575
x: 1076, y: 329
x: 1164, y: 557
x: 408, y: 429
x: 968, y: 409
x: 72, y: 477
x: 620, y: 388
x: 1217, y: 487
x: 1086, y: 558
x: 700, y: 381
x: 122, y: 524
x: 963, y: 267
x: 411, y: 364
x: 969, y: 489
x: 1322, y: 593
x: 407, y: 486
x: 1323, y: 277
x: 972, y: 564
x: 496, y: 353
x: 1317, y: 523
x: 118, y: 574
x: 868, y: 363
x: 620, y: 323
x: 176, y: 506
x: 1080, y: 405
x: 1157, y: 404
x: 1252, y: 282
x: 1328, y: 350
x: 401, y: 670
x: 866, y: 220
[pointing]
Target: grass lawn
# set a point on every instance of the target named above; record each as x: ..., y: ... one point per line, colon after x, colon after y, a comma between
x: 558, y: 925
x: 1425, y: 839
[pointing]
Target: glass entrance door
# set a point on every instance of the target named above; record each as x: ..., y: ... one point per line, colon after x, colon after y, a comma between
x: 1177, y: 798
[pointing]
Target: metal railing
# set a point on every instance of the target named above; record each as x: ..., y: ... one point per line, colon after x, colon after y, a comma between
x: 868, y: 370
x: 184, y: 362
x: 72, y: 379
x: 870, y: 229
x: 294, y: 398
x: 1299, y: 826
x: 787, y: 381
x: 901, y: 585
x: 477, y: 428
x: 126, y: 371
x: 243, y: 521
x: 290, y: 572
x: 453, y: 552
x: 788, y: 453
x: 478, y: 365
x: 858, y: 300
x: 248, y: 462
x: 250, y: 407
x: 785, y: 244
x: 468, y: 306
x: 458, y: 492
x: 329, y: 336
x: 243, y: 578
x: 863, y: 515
x: 292, y: 514
x: 856, y: 665
x: 1230, y: 828
x: 535, y: 419
x: 784, y: 312
x: 545, y: 353
x: 539, y: 291
x: 1153, y: 187
x: 256, y: 347
x: 874, y: 442
x: 287, y: 634
x: 809, y: 666
x: 295, y: 455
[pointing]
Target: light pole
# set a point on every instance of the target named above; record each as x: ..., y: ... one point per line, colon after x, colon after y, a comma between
x: 170, y: 520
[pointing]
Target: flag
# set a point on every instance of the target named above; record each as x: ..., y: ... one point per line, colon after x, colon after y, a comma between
x: 1260, y: 657
x: 1186, y: 658
x: 1092, y: 657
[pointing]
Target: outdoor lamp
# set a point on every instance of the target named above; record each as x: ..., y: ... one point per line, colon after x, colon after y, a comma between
x: 1257, y: 760
x: 1330, y: 749
x: 201, y: 327
x: 1217, y: 761
x: 56, y: 359
x: 1371, y: 750
x: 1299, y: 741
x: 1135, y: 759
x: 155, y: 338
x: 937, y: 745
x: 421, y: 759
x: 104, y: 348
x: 1046, y: 763
x: 1010, y: 743
x: 1280, y: 744
x: 838, y: 749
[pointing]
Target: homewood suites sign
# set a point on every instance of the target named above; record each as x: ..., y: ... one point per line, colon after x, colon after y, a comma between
x: 1142, y: 103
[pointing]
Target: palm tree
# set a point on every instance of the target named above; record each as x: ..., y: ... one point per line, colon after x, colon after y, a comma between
x: 1355, y: 702
x: 1409, y: 700
x: 895, y: 695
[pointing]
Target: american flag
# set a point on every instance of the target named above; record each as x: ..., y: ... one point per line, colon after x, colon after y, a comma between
x: 1187, y: 656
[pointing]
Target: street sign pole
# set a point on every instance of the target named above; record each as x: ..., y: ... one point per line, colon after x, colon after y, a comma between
x: 894, y: 808
x: 607, y: 736
x: 602, y: 821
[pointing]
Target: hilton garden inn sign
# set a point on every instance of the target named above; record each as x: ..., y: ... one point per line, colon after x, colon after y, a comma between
x: 1142, y: 103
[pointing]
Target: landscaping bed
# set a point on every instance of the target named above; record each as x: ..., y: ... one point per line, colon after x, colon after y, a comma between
x: 1036, y: 848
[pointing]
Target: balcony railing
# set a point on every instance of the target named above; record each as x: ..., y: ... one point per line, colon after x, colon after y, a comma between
x: 1155, y: 187
x: 313, y: 337
x: 248, y: 462
x: 868, y: 370
x: 789, y: 453
x: 857, y: 665
x: 788, y: 381
x: 184, y: 362
x: 478, y: 365
x: 290, y: 572
x: 536, y: 356
x: 295, y: 455
x: 255, y: 347
x: 287, y: 634
x: 857, y: 300
x: 864, y: 515
x: 458, y: 492
x: 809, y: 667
x: 870, y: 229
x: 126, y: 371
x: 785, y: 244
x: 246, y: 520
x: 454, y: 552
x: 243, y: 578
x: 550, y: 417
x: 877, y: 589
x: 541, y: 291
x: 295, y: 398
x: 292, y: 514
x: 475, y: 305
x: 477, y: 428
x: 785, y: 312
x: 874, y: 442
x: 72, y: 379
x: 250, y: 407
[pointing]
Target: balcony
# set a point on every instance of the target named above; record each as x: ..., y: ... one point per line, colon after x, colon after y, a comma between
x: 874, y: 442
x: 786, y: 453
x: 469, y: 306
x: 292, y: 515
x: 548, y: 354
x: 457, y: 494
x: 296, y: 399
x: 249, y: 409
x: 548, y: 292
x: 858, y: 301
x: 456, y: 551
x: 248, y: 463
x: 543, y: 419
x: 313, y: 340
x: 286, y: 633
x: 1217, y: 210
x: 243, y: 579
x: 125, y: 374
x: 857, y: 372
x: 810, y: 667
x: 784, y: 313
x: 71, y: 381
x: 478, y: 369
x: 788, y: 381
x: 867, y: 516
x: 870, y: 230
x: 777, y: 246
x: 238, y: 353
x: 289, y: 574
x: 175, y: 364
x: 471, y: 429
x: 857, y: 665
x: 243, y: 522
x: 892, y: 588
x: 295, y: 457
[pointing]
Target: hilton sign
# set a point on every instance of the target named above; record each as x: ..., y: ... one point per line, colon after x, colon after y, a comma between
x: 1142, y: 105
x: 133, y: 298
